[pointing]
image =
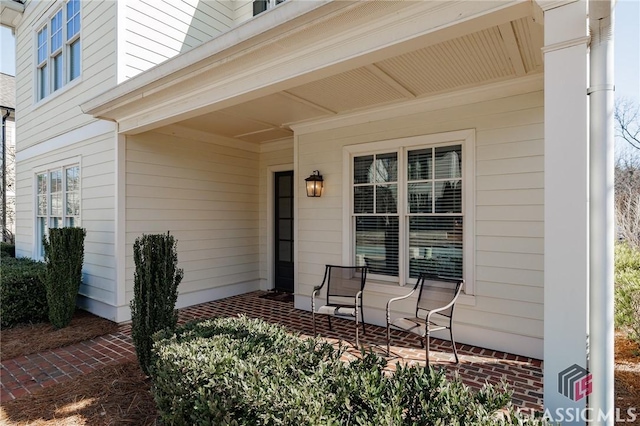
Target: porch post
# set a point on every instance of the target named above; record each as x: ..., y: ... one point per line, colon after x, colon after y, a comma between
x: 566, y: 219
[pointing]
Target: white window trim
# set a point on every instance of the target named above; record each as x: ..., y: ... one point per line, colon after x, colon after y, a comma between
x: 45, y: 20
x: 466, y: 138
x: 46, y: 168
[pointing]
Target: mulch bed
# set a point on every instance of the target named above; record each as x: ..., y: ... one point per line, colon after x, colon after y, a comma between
x: 627, y: 376
x: 113, y: 395
x: 32, y: 338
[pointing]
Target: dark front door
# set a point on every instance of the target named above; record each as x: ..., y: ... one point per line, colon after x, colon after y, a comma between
x: 284, y: 231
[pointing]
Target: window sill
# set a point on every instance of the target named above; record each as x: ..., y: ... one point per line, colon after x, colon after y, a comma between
x: 50, y: 97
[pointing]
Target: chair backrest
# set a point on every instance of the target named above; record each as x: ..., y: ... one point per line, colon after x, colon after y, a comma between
x: 344, y: 281
x: 437, y: 292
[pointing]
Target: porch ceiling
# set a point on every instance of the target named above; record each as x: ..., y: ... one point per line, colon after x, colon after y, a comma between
x: 306, y: 61
x: 502, y: 52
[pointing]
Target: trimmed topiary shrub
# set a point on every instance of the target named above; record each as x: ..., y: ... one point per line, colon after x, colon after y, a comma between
x: 156, y: 283
x: 247, y: 372
x: 23, y: 297
x: 64, y: 255
x: 7, y: 250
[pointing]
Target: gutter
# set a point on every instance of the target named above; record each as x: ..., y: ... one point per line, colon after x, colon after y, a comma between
x: 4, y: 170
x: 601, y: 211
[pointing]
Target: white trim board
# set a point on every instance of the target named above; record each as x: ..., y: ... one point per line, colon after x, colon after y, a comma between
x: 89, y: 131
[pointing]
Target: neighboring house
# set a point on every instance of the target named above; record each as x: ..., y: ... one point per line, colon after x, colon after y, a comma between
x: 8, y: 114
x: 451, y: 136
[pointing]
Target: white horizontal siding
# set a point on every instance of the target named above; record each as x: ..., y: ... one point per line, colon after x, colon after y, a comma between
x: 60, y: 112
x: 156, y: 30
x: 508, y: 214
x: 97, y: 210
x: 206, y: 195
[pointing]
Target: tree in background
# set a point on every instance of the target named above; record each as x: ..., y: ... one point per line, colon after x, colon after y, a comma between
x: 627, y: 173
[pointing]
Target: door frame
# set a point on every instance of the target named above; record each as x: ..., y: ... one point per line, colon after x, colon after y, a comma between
x: 271, y: 193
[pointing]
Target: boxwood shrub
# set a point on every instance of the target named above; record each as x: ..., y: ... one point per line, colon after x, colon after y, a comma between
x: 239, y: 371
x: 7, y: 249
x: 22, y: 292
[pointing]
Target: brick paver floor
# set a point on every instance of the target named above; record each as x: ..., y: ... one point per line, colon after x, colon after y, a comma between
x: 477, y: 365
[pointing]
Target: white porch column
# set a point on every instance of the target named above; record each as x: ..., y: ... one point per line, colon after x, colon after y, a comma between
x: 566, y: 250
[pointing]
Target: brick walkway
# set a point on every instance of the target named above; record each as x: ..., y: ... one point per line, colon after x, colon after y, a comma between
x: 28, y: 373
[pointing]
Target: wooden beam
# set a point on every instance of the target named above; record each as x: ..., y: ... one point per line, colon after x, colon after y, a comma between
x: 510, y: 42
x: 390, y: 81
x: 308, y: 103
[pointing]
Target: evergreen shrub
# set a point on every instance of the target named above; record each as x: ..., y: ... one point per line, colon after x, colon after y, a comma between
x: 22, y: 293
x: 156, y: 283
x: 64, y: 256
x: 240, y: 371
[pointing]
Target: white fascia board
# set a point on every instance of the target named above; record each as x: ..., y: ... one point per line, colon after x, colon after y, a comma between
x: 129, y: 90
x: 11, y: 13
x: 553, y: 4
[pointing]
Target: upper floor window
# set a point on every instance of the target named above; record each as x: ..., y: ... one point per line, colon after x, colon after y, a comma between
x: 58, y: 49
x: 260, y: 6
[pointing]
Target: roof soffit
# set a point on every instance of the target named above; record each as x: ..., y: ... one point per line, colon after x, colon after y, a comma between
x: 361, y: 34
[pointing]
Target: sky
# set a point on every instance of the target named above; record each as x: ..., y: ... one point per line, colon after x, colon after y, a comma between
x: 627, y: 50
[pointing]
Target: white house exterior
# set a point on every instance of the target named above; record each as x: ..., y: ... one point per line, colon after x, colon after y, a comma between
x: 451, y: 135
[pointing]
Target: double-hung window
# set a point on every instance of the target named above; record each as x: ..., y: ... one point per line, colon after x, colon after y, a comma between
x: 57, y: 200
x: 260, y: 6
x: 409, y: 206
x: 58, y: 49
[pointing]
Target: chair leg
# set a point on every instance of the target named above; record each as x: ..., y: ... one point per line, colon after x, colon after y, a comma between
x: 426, y: 345
x: 388, y: 340
x: 313, y: 314
x: 329, y: 319
x: 453, y: 344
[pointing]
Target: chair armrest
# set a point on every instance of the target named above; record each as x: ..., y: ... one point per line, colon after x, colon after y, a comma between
x: 395, y: 299
x: 445, y: 307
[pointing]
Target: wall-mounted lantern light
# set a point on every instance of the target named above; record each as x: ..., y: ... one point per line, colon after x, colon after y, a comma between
x: 314, y: 184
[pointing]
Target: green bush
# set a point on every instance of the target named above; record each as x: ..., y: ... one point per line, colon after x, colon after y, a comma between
x: 23, y: 298
x: 238, y: 371
x: 627, y: 290
x: 7, y: 250
x: 156, y: 283
x: 64, y: 255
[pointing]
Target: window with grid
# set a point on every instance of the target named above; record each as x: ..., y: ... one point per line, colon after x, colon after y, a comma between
x: 407, y: 211
x: 57, y: 201
x: 58, y: 50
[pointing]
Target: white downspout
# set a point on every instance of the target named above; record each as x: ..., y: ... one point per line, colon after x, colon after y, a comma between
x: 601, y: 222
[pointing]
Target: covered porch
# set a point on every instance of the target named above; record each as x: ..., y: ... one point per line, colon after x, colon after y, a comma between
x: 311, y: 86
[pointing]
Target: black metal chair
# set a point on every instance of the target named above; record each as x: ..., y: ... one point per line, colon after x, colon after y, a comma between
x: 433, y: 310
x: 345, y: 285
